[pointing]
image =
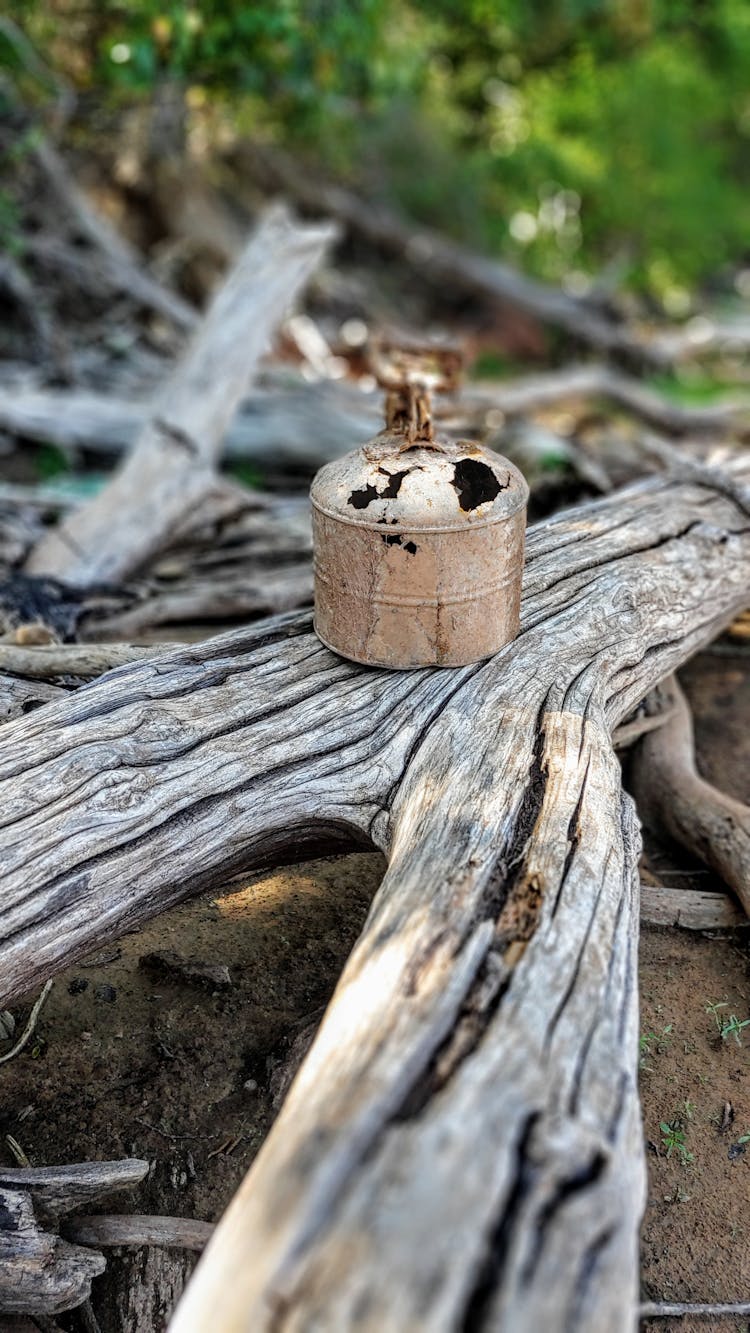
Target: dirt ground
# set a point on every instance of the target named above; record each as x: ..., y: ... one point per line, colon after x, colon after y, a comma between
x: 134, y: 1059
x: 696, y: 1231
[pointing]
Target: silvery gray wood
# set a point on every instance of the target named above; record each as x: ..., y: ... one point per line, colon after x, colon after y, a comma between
x: 462, y: 1146
x: 673, y: 796
x: 171, y: 467
x: 41, y: 1273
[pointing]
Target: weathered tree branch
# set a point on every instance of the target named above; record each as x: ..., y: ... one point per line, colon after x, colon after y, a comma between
x: 40, y: 1273
x: 466, y: 1122
x: 171, y: 467
x: 123, y: 268
x: 692, y: 909
x: 670, y: 793
x: 444, y: 262
x: 132, y: 1229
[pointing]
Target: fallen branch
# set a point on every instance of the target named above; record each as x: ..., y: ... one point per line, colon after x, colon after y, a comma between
x: 602, y: 381
x: 56, y: 1190
x: 40, y: 1273
x: 302, y: 426
x: 445, y: 263
x: 124, y: 269
x: 50, y: 661
x: 30, y: 1026
x: 683, y: 1309
x: 131, y: 1229
x: 689, y: 909
x: 463, y: 1142
x: 170, y: 469
x: 671, y: 794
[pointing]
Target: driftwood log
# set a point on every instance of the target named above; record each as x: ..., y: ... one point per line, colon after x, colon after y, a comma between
x: 462, y: 1146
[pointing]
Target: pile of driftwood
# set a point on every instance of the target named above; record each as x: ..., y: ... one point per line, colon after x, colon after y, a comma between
x: 462, y: 1145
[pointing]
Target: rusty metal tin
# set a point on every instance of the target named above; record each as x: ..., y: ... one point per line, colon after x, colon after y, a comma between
x: 418, y: 552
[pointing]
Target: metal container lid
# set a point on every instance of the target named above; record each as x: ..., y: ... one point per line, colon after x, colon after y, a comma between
x: 431, y: 486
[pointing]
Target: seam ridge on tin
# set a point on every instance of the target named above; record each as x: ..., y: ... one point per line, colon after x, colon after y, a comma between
x: 467, y: 525
x: 469, y: 595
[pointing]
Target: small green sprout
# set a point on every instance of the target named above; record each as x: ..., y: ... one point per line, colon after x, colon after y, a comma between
x: 673, y: 1140
x: 734, y: 1028
x: 659, y: 1040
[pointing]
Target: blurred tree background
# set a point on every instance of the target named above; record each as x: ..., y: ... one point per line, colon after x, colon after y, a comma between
x: 585, y: 141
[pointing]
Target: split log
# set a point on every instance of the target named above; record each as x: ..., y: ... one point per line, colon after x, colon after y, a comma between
x: 672, y: 796
x: 171, y: 467
x: 462, y: 1146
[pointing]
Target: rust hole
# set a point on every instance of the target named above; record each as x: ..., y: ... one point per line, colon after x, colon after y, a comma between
x: 475, y: 483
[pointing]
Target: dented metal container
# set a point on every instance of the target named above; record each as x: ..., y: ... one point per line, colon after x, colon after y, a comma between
x: 418, y: 549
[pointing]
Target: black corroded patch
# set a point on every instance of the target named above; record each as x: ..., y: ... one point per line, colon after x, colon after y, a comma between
x: 396, y: 539
x: 364, y: 497
x: 475, y: 483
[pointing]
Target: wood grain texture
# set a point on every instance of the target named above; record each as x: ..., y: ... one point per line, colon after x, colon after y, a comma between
x: 133, y: 1229
x: 56, y: 1190
x: 462, y: 1146
x: 39, y: 1272
x: 692, y: 909
x: 672, y: 795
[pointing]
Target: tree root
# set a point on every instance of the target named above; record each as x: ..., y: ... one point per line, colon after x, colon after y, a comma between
x: 671, y: 794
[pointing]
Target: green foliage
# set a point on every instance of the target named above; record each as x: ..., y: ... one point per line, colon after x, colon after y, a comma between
x: 727, y: 1027
x: 569, y: 135
x: 248, y: 474
x: 51, y: 462
x: 673, y: 1140
x: 653, y: 1041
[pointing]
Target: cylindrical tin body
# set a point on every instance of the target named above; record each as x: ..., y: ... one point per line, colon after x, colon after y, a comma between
x: 418, y: 553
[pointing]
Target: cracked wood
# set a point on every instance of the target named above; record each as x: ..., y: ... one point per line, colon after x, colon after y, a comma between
x: 462, y: 1146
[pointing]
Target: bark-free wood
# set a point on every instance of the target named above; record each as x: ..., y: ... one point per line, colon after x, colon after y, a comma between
x: 132, y: 1229
x: 170, y: 468
x: 672, y: 795
x: 308, y: 424
x: 445, y: 263
x: 692, y: 909
x: 462, y: 1146
x: 302, y: 426
x: 39, y: 1272
x: 56, y: 1190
